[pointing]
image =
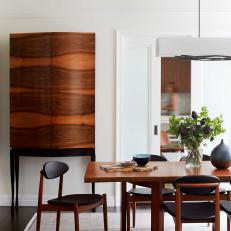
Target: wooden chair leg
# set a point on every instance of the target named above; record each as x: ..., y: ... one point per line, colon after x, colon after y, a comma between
x: 228, y: 216
x: 134, y: 214
x: 76, y: 216
x: 128, y: 211
x: 178, y: 227
x: 38, y: 220
x: 105, y: 221
x: 57, y: 220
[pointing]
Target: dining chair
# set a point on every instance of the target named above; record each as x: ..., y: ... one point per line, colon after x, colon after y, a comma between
x: 143, y: 194
x: 224, y: 190
x: 226, y: 207
x: 195, y: 211
x: 206, y: 157
x: 77, y: 203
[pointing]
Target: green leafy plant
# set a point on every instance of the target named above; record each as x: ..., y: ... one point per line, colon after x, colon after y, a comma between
x: 192, y: 131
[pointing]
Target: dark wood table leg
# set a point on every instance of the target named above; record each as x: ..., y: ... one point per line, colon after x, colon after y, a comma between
x: 157, y: 215
x: 123, y: 207
x: 17, y: 177
x: 93, y: 188
x: 12, y: 160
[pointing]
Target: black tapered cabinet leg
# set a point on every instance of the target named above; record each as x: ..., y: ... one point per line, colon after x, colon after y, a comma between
x: 16, y: 177
x: 12, y: 160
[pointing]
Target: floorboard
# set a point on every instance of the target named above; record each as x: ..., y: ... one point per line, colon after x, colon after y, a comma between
x: 15, y: 219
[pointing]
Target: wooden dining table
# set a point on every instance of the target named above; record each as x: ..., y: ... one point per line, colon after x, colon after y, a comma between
x: 166, y: 172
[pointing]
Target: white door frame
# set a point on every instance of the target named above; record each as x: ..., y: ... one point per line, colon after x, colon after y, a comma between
x: 138, y: 38
x: 154, y: 62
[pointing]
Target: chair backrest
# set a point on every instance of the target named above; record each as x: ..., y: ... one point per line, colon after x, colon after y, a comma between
x: 200, y: 179
x: 157, y: 158
x: 54, y: 169
x: 206, y: 158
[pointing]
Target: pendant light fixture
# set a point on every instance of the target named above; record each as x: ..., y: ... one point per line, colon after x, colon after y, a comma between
x: 195, y: 48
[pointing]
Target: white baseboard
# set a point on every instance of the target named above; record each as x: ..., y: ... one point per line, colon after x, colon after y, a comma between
x: 32, y: 200
x: 5, y: 200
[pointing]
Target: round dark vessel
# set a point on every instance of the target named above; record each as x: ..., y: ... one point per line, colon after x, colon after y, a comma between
x: 142, y: 159
x: 220, y: 156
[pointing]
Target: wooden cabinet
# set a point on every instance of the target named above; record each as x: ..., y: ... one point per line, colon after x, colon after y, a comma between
x: 176, y: 72
x: 52, y: 90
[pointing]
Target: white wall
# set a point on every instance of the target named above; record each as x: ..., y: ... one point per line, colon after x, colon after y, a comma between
x: 102, y: 17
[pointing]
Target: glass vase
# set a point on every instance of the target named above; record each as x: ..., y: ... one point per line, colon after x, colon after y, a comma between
x: 194, y: 157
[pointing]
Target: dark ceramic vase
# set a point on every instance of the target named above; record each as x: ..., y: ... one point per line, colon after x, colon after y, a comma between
x: 220, y: 156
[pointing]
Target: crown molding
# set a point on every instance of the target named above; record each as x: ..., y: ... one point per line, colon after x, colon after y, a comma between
x: 103, y: 13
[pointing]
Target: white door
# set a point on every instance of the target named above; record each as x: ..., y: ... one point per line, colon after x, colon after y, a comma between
x: 138, y: 98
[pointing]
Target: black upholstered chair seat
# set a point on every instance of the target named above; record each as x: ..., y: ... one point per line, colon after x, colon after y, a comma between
x: 147, y: 191
x: 193, y: 211
x: 80, y: 199
x: 226, y: 206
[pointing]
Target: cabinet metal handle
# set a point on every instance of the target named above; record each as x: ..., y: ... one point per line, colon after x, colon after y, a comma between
x: 155, y: 130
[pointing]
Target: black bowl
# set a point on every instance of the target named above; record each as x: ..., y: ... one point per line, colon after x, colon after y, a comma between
x: 142, y: 159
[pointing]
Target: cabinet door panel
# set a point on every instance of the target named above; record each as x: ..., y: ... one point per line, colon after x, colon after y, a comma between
x: 73, y: 90
x: 30, y: 91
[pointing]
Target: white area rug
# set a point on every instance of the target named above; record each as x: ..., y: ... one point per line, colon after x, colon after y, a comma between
x: 94, y: 221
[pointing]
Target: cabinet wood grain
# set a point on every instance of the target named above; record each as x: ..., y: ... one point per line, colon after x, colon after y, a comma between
x: 73, y: 90
x: 30, y: 90
x: 52, y: 90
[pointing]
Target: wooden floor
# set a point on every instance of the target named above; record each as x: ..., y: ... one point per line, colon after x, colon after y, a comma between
x: 15, y: 219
